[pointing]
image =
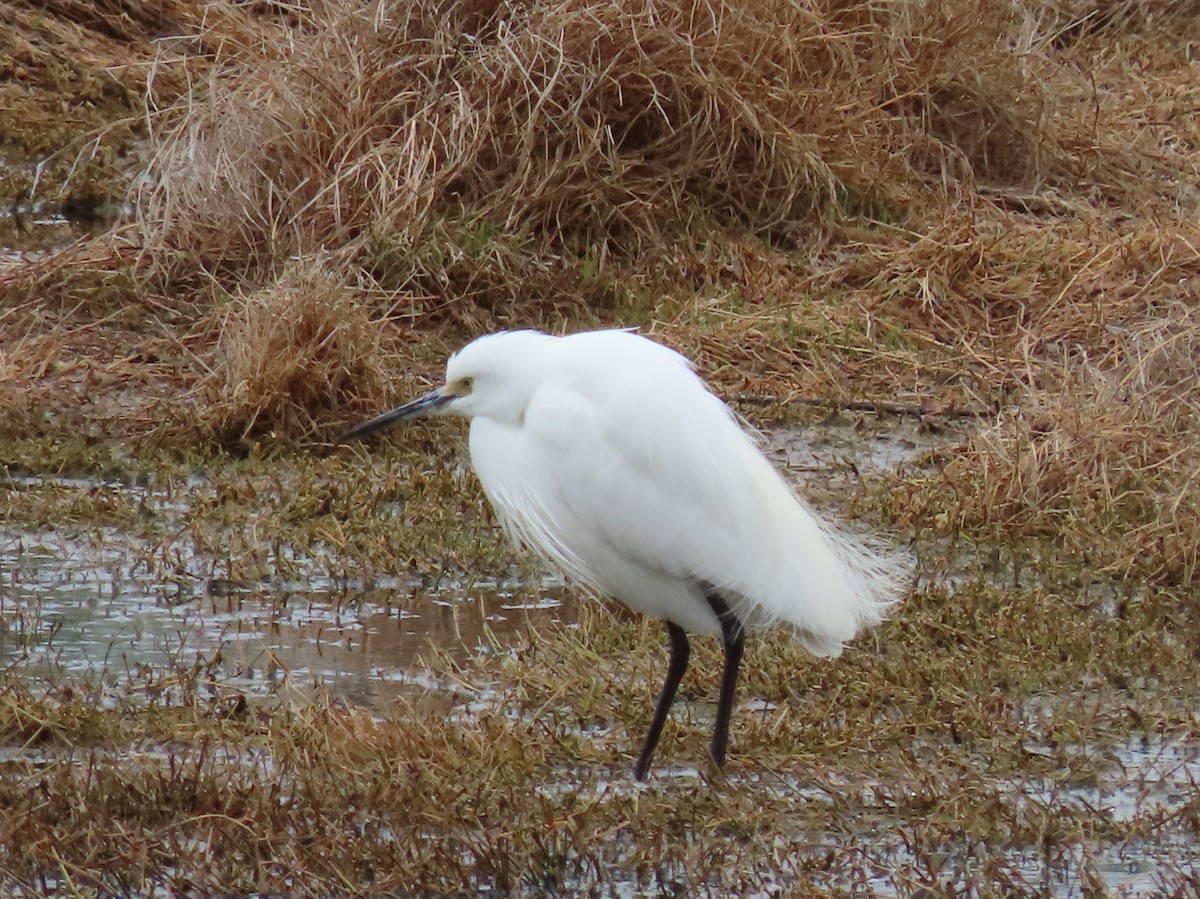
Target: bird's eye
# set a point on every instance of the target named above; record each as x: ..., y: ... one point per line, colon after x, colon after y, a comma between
x: 467, y: 384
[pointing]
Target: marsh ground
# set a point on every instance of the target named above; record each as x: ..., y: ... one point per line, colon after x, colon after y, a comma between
x: 945, y: 257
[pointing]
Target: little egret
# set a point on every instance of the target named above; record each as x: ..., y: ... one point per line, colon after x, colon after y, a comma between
x: 605, y: 453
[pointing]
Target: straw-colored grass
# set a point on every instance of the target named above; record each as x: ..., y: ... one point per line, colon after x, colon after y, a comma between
x: 587, y: 123
x: 990, y: 209
x: 1103, y: 460
x: 288, y: 355
x: 72, y: 79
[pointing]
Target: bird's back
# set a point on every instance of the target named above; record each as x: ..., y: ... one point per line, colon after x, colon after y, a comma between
x: 631, y: 476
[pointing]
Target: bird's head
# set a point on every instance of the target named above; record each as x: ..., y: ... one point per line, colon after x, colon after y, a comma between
x: 493, y: 376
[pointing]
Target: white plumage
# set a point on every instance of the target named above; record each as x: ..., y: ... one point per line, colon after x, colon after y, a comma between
x: 606, y: 454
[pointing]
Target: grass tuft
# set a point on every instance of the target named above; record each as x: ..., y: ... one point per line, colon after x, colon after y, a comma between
x: 582, y: 121
x: 291, y: 354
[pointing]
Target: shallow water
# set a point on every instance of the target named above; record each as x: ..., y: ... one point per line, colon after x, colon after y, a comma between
x: 29, y: 233
x: 72, y: 608
x: 837, y: 452
x: 132, y: 611
x: 109, y: 602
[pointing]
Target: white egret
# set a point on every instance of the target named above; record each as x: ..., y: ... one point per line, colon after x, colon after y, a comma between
x: 604, y: 453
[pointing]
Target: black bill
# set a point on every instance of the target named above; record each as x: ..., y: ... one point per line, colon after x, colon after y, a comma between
x: 422, y: 405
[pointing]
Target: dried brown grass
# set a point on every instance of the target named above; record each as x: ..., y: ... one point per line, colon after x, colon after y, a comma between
x: 289, y: 355
x: 994, y: 204
x: 1105, y: 460
x: 588, y: 122
x: 72, y: 79
x: 1082, y: 335
x: 976, y: 207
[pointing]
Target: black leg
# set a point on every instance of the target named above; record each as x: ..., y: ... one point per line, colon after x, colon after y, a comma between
x: 734, y: 637
x: 680, y: 651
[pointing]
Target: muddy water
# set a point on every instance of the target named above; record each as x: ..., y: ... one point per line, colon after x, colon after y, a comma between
x: 76, y: 605
x: 68, y: 609
x: 28, y: 233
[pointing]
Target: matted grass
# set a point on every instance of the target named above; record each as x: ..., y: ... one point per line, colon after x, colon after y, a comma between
x: 978, y: 772
x: 1020, y: 720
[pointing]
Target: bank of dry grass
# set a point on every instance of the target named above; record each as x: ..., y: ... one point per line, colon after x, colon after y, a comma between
x: 1104, y: 461
x: 1089, y: 364
x: 288, y: 355
x: 583, y: 123
x: 72, y: 82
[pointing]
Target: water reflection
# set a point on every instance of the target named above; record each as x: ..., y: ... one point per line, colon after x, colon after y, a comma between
x: 114, y: 604
x: 368, y: 650
x: 68, y: 609
x: 32, y: 233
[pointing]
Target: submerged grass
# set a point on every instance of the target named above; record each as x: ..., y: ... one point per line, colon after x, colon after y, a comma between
x: 868, y: 774
x: 1021, y: 719
x: 947, y: 208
